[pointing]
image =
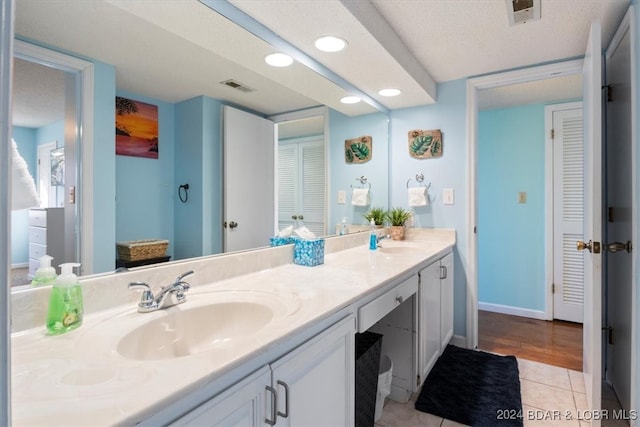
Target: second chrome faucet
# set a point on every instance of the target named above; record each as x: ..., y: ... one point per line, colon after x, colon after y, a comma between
x: 168, y: 296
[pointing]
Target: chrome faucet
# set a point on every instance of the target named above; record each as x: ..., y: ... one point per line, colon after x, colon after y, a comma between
x: 169, y: 295
x: 386, y: 236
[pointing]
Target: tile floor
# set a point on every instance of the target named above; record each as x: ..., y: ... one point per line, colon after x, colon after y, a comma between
x: 544, y: 389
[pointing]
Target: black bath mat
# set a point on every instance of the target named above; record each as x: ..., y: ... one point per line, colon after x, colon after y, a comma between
x: 473, y: 388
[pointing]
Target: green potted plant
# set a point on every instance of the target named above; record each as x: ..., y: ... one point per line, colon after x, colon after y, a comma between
x: 377, y: 214
x: 397, y: 217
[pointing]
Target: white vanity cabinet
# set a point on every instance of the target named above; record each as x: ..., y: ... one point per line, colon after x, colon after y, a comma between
x: 435, y: 313
x: 315, y: 382
x: 46, y: 236
x: 242, y: 405
x: 446, y: 300
x: 311, y: 385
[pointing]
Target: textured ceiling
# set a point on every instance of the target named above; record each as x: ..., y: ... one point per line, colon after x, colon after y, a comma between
x: 173, y: 50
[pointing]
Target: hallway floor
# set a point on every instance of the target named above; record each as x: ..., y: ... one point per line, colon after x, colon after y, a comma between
x: 555, y: 343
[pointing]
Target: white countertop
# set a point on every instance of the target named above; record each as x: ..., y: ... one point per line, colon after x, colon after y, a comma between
x: 79, y: 378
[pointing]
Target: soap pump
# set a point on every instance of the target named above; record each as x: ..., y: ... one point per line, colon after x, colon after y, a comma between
x: 343, y: 226
x: 373, y: 237
x: 45, y: 274
x: 65, y: 305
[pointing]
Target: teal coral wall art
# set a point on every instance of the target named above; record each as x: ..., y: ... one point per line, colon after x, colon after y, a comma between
x: 425, y: 144
x: 358, y: 150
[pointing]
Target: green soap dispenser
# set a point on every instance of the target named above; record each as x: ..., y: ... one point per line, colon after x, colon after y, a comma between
x: 45, y: 274
x: 65, y: 305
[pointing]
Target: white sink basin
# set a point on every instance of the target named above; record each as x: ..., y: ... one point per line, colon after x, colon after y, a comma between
x: 191, y: 330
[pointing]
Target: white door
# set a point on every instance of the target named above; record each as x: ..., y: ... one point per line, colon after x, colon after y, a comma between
x: 249, y: 181
x: 568, y: 214
x: 619, y: 202
x: 592, y: 333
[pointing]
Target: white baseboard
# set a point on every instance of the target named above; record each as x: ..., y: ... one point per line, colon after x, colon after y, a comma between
x: 515, y: 311
x: 20, y: 265
x: 459, y: 341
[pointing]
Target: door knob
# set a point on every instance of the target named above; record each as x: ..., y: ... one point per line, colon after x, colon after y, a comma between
x: 593, y: 247
x: 617, y: 247
x: 294, y: 216
x: 233, y: 225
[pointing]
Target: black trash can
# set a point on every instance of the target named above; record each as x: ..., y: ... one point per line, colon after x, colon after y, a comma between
x: 368, y: 345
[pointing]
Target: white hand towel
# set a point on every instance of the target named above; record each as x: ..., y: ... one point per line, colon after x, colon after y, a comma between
x: 23, y: 188
x: 418, y: 196
x: 360, y: 197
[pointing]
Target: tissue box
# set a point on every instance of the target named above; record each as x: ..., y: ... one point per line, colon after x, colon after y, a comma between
x: 279, y: 241
x: 308, y: 252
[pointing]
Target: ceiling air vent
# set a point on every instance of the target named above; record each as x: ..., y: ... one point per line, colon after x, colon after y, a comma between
x: 523, y: 11
x: 237, y: 85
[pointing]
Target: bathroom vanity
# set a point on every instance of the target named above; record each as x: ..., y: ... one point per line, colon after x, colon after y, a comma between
x: 259, y: 340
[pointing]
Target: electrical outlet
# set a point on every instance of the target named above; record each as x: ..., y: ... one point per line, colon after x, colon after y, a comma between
x: 522, y: 197
x: 342, y: 197
x: 448, y: 197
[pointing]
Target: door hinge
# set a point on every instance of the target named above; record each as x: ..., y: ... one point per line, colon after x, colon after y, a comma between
x: 417, y: 380
x: 553, y: 288
x: 609, y: 331
x: 553, y: 133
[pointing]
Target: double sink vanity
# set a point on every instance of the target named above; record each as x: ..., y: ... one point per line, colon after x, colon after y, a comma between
x: 258, y: 341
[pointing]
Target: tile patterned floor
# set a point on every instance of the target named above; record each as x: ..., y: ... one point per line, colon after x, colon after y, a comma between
x: 544, y: 389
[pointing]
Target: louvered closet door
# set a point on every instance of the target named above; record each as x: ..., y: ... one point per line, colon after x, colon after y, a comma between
x: 313, y: 184
x: 287, y: 184
x: 568, y: 271
x: 301, y: 183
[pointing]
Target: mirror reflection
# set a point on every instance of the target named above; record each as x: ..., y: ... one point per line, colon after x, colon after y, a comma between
x: 136, y: 198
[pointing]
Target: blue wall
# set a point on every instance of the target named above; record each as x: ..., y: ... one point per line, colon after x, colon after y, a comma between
x: 144, y: 187
x: 448, y: 171
x: 198, y: 162
x: 511, y: 235
x: 343, y: 175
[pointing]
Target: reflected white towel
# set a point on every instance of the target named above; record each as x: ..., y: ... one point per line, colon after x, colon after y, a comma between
x: 360, y: 197
x: 23, y: 188
x: 418, y: 196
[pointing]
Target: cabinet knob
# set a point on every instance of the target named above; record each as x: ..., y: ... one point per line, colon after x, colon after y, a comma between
x: 399, y: 299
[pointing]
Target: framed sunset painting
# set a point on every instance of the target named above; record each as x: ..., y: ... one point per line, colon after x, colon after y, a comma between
x: 136, y: 128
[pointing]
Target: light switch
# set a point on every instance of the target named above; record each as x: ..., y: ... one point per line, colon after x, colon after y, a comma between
x: 448, y: 196
x: 342, y: 197
x: 522, y: 197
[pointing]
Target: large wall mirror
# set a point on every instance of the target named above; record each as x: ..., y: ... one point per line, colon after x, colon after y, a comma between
x: 189, y: 73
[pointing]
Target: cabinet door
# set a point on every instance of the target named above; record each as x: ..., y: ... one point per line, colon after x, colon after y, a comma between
x: 242, y: 405
x: 428, y: 319
x: 446, y: 300
x: 315, y: 382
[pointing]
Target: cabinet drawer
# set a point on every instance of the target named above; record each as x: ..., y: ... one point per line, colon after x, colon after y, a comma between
x: 381, y: 306
x: 38, y: 217
x: 34, y: 264
x: 38, y: 235
x: 37, y: 250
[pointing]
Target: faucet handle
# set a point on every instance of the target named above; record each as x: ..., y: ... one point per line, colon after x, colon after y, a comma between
x: 147, y: 295
x: 183, y: 275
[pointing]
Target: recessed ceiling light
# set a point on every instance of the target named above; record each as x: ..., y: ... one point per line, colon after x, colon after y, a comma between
x: 330, y: 44
x: 350, y: 100
x: 278, y: 59
x: 390, y: 92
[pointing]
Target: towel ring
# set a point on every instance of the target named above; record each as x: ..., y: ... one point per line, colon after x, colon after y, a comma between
x: 363, y: 181
x: 419, y: 179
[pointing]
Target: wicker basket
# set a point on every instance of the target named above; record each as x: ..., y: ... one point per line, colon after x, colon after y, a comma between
x: 136, y: 250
